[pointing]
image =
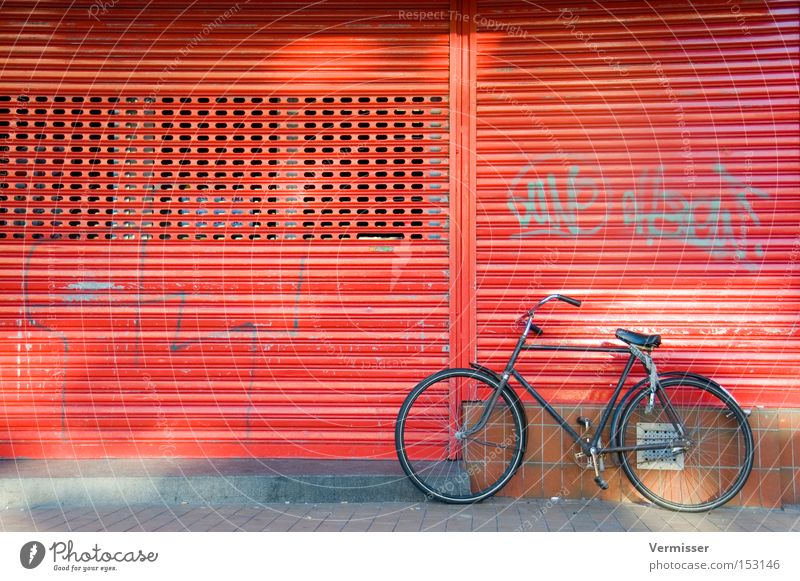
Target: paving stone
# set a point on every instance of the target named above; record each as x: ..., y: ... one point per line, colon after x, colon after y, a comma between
x: 459, y: 522
x: 259, y: 522
x: 308, y: 523
x: 495, y: 514
x: 382, y: 525
x: 484, y: 522
x: 357, y: 525
x: 337, y: 518
x: 287, y: 515
x: 232, y: 524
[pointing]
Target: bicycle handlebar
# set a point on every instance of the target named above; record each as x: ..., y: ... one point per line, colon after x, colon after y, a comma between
x: 557, y: 297
x: 554, y: 297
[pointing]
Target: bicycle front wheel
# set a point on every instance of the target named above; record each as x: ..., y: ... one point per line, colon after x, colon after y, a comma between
x: 714, y: 464
x: 444, y: 465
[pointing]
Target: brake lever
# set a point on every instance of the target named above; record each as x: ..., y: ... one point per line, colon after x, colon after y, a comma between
x: 520, y: 323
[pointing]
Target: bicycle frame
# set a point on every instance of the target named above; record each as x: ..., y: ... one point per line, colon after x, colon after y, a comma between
x: 592, y: 446
x: 587, y: 447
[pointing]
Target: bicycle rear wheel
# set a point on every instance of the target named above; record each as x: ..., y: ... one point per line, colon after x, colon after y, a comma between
x: 708, y: 472
x: 448, y: 468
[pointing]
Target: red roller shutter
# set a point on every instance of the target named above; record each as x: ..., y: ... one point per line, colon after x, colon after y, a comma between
x: 224, y: 225
x: 642, y: 157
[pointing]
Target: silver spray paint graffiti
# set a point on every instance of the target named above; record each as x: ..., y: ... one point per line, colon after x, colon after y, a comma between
x: 575, y: 200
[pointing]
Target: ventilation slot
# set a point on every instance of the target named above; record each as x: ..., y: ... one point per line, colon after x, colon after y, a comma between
x: 143, y: 158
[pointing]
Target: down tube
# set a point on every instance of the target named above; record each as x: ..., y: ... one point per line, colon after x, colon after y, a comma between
x: 550, y: 410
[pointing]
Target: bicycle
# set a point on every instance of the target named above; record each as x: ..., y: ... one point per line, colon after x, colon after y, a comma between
x: 682, y: 439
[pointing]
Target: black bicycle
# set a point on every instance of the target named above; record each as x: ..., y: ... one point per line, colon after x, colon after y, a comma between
x: 681, y: 438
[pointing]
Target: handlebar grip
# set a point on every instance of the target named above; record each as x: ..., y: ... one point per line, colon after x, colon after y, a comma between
x: 570, y: 300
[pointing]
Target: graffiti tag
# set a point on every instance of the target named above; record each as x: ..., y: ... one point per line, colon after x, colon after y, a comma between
x: 576, y: 201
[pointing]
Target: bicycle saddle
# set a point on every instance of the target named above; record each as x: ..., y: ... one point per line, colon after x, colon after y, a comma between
x: 638, y: 339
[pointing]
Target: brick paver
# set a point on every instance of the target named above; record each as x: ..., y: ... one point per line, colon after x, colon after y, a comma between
x: 492, y: 515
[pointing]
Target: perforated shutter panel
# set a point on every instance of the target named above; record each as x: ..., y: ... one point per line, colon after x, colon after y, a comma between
x: 224, y: 226
x: 642, y: 157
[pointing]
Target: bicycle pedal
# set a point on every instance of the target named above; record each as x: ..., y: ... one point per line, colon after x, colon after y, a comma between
x: 582, y: 460
x: 601, y: 483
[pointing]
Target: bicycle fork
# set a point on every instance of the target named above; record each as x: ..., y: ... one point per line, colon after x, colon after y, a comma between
x: 656, y: 391
x: 465, y: 432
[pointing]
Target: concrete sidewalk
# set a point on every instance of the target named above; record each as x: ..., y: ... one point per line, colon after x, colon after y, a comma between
x: 495, y: 514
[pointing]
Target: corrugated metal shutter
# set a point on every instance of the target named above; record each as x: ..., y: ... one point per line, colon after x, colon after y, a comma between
x: 224, y: 225
x: 642, y: 157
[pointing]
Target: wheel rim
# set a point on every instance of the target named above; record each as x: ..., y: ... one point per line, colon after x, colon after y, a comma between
x: 706, y: 474
x: 456, y: 469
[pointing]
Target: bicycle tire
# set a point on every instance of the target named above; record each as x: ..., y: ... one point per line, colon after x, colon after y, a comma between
x: 705, y: 476
x: 459, y: 471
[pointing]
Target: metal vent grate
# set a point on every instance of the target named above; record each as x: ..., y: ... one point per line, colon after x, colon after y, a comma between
x: 653, y: 433
x: 223, y: 168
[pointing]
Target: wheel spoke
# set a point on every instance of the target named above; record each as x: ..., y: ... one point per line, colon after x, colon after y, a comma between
x: 490, y: 444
